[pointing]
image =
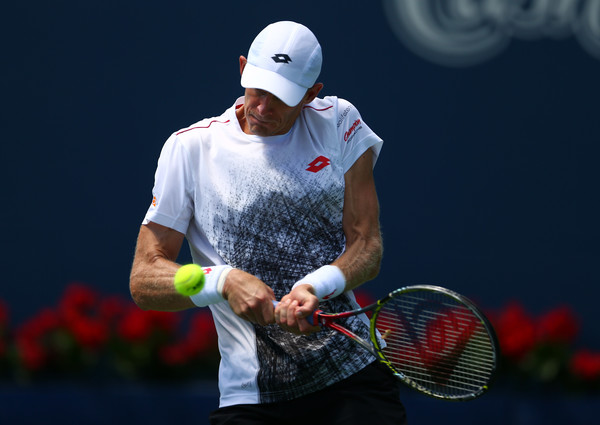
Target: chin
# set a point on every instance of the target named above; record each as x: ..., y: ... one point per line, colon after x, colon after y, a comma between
x: 261, y: 131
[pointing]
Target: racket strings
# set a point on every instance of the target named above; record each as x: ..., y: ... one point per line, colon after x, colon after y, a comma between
x: 436, y: 342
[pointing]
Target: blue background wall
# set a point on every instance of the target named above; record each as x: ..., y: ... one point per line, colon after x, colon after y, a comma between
x: 488, y: 178
x: 487, y: 181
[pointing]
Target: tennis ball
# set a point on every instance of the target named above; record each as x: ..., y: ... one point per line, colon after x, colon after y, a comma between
x: 189, y: 279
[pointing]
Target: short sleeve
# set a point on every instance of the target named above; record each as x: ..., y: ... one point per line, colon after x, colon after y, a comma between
x: 355, y: 135
x: 172, y: 201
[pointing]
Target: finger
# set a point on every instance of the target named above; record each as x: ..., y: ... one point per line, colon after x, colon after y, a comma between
x: 303, y: 311
x: 291, y: 319
x: 281, y: 311
x: 307, y: 308
x: 268, y: 313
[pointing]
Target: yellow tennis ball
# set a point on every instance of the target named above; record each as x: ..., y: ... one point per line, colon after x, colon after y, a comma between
x: 189, y: 279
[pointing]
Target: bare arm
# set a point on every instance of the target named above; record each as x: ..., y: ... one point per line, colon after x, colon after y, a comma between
x: 364, y: 248
x: 154, y: 268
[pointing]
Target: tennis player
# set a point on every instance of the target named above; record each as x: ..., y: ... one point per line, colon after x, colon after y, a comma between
x: 277, y: 201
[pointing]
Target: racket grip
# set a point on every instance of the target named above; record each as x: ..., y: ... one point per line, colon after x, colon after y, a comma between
x: 312, y: 319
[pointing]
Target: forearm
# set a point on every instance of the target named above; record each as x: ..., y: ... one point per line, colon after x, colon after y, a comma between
x: 358, y: 264
x: 151, y: 286
x: 361, y: 261
x: 153, y: 270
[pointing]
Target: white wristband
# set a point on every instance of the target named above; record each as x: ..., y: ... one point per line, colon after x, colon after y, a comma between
x: 212, y: 293
x: 328, y: 281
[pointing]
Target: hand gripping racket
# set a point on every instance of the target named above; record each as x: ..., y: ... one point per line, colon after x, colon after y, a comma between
x: 431, y: 338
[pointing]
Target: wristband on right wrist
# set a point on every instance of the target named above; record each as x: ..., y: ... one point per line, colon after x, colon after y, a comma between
x: 212, y: 293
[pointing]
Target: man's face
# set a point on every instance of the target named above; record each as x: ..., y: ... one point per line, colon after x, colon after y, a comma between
x: 267, y: 115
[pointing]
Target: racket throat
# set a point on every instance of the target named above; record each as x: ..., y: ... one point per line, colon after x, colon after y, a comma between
x: 366, y: 345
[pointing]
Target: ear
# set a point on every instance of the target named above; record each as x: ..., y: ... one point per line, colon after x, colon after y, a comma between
x: 243, y: 62
x: 312, y: 93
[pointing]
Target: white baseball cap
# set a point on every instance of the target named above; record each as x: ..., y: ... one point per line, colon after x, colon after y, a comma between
x: 285, y: 60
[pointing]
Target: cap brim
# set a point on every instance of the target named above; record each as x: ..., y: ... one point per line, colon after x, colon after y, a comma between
x: 256, y: 78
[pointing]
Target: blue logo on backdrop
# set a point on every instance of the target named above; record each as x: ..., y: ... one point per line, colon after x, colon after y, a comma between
x: 462, y: 33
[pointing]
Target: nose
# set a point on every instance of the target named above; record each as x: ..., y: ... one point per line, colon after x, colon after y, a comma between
x: 264, y: 103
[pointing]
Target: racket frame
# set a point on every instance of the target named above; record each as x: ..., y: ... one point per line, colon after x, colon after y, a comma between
x: 374, y: 347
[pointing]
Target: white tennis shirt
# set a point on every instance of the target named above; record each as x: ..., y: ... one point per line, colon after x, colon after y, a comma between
x: 271, y: 206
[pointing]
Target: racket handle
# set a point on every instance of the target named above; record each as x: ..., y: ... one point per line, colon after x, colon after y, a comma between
x: 312, y: 319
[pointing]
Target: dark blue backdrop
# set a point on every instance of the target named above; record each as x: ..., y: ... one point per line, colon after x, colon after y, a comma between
x: 487, y: 180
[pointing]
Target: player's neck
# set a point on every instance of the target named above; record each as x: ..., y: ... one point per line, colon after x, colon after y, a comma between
x: 241, y: 117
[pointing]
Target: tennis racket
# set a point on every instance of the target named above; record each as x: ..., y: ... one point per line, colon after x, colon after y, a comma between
x: 431, y: 338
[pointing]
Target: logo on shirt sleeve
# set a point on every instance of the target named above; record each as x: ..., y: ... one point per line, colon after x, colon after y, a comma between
x: 348, y: 135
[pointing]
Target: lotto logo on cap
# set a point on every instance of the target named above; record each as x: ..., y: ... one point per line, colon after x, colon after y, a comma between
x: 284, y: 59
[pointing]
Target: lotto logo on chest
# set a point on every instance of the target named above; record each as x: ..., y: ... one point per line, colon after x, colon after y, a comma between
x: 318, y: 164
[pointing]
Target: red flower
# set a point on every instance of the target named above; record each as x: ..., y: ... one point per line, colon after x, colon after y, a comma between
x: 134, y: 326
x: 79, y: 299
x: 202, y: 334
x: 175, y: 354
x: 79, y: 308
x: 200, y: 339
x: 3, y: 326
x: 3, y: 314
x: 586, y: 365
x: 515, y: 330
x: 90, y: 332
x: 164, y: 320
x: 558, y: 326
x: 363, y: 298
x: 113, y: 308
x: 137, y: 325
x: 29, y: 339
x: 32, y: 354
x: 45, y: 321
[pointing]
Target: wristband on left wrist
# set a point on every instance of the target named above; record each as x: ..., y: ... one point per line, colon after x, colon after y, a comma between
x: 328, y: 282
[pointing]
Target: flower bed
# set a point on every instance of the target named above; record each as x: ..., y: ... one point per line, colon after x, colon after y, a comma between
x: 541, y: 351
x: 91, y: 336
